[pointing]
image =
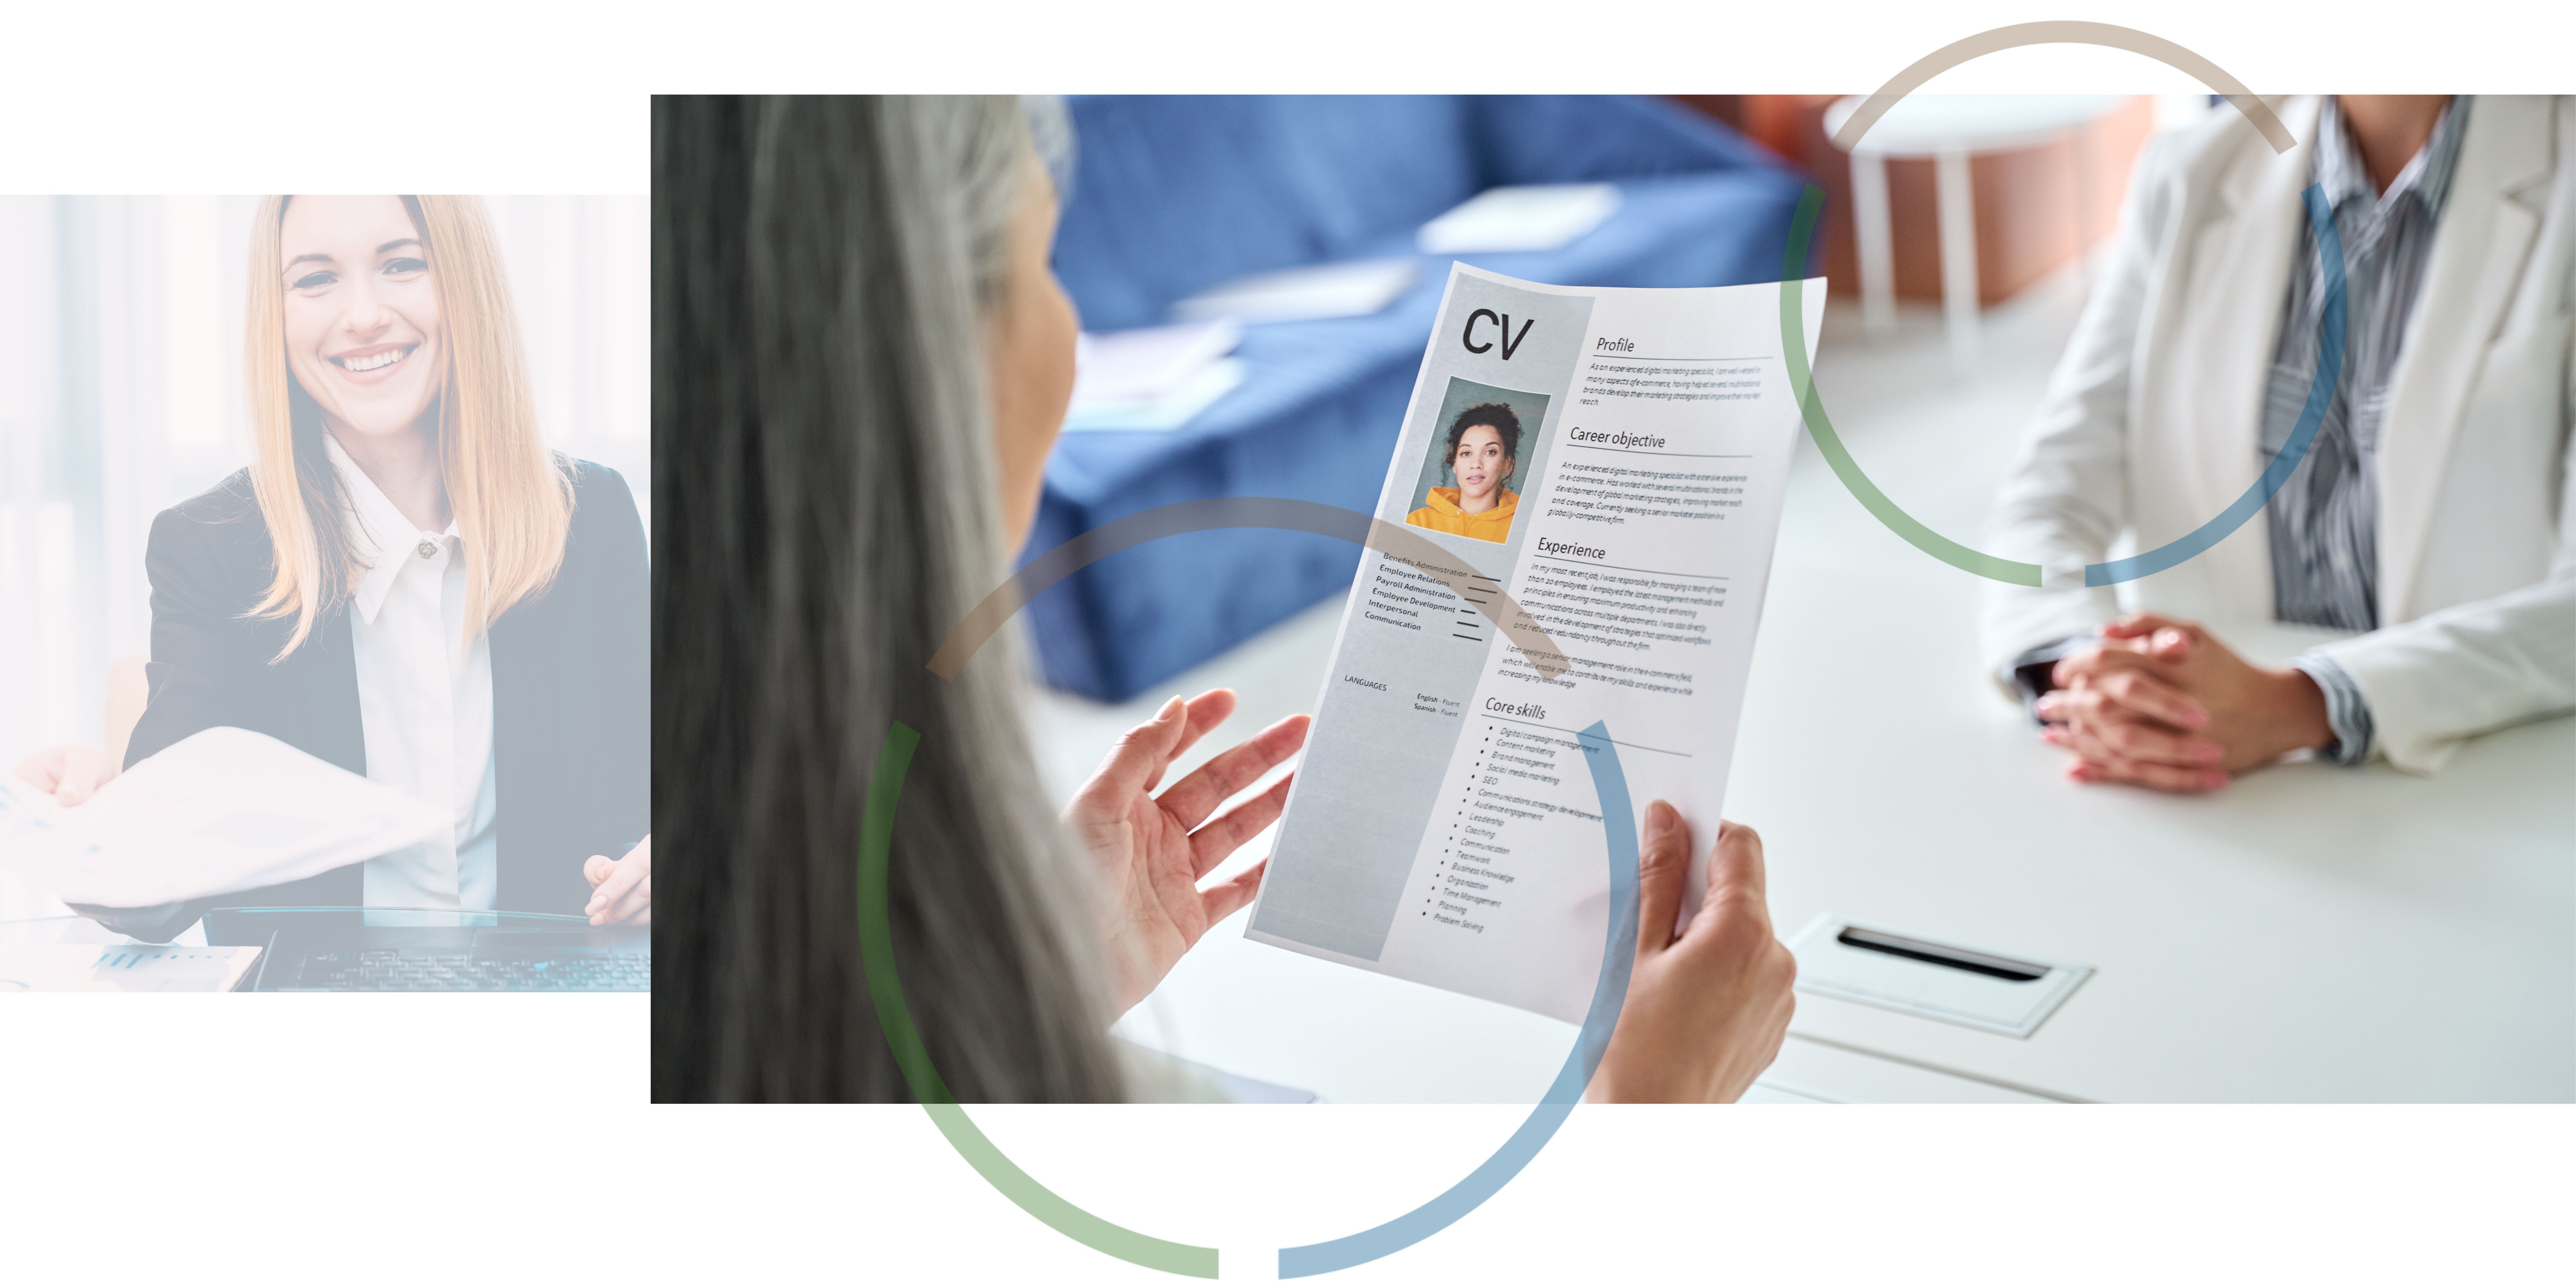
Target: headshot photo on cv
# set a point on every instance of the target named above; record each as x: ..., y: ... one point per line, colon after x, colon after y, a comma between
x: 1471, y: 473
x: 342, y: 652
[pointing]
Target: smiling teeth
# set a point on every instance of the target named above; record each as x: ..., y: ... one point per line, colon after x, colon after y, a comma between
x: 385, y: 359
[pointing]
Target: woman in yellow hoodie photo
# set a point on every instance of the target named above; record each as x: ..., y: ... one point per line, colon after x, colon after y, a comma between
x: 1484, y: 451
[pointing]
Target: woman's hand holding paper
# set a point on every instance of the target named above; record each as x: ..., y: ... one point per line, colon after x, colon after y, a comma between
x: 72, y: 774
x: 1706, y: 1008
x: 1152, y: 851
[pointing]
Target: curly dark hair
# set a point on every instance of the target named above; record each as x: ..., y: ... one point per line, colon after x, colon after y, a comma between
x: 1504, y: 421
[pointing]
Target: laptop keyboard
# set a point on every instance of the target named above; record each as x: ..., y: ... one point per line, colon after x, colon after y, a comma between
x: 386, y: 971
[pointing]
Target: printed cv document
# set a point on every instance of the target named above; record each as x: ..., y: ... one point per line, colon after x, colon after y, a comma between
x: 1610, y: 461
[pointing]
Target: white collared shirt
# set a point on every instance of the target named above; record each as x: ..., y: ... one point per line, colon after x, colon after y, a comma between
x: 424, y: 697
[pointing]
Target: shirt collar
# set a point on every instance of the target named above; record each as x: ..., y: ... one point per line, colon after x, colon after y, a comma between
x: 382, y: 539
x: 2427, y: 174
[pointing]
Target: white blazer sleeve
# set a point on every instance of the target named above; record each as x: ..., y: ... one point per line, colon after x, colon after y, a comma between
x: 2441, y: 679
x: 2066, y: 497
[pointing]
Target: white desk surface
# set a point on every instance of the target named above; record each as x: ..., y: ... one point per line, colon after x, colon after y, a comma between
x: 2310, y: 933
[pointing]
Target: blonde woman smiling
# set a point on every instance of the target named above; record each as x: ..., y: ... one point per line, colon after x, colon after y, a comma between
x: 405, y: 582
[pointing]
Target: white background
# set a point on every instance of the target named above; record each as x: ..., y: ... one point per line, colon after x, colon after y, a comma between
x: 285, y: 1140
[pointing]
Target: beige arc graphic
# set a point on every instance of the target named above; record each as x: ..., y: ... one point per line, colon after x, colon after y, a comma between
x: 2107, y: 35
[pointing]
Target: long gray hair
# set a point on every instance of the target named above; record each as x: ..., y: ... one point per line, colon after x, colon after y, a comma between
x: 826, y: 509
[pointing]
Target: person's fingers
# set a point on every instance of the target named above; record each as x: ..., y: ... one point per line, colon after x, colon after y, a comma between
x: 1735, y: 874
x: 2143, y: 744
x: 614, y: 887
x: 43, y: 771
x: 1777, y: 978
x: 1223, y: 899
x: 2083, y: 737
x: 2057, y: 706
x: 85, y: 770
x: 2164, y: 778
x: 2067, y: 671
x: 2092, y: 722
x: 1192, y: 799
x: 621, y: 911
x: 2123, y: 697
x: 2153, y: 696
x: 1663, y: 868
x: 2082, y: 706
x: 70, y: 775
x: 2173, y: 779
x: 596, y: 868
x: 1228, y: 832
x: 2093, y: 665
x: 638, y: 896
x: 637, y: 899
x: 1207, y: 711
x: 2158, y: 746
x: 1138, y: 761
x: 2143, y: 625
x: 2084, y: 740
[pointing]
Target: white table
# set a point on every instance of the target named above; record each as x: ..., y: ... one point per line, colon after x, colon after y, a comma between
x: 2311, y: 933
x: 1949, y: 129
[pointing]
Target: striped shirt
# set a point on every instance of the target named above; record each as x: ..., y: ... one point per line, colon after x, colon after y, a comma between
x: 2325, y: 521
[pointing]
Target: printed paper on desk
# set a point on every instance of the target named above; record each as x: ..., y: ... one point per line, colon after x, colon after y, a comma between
x: 1537, y: 216
x: 220, y: 811
x: 1444, y: 826
x: 122, y: 968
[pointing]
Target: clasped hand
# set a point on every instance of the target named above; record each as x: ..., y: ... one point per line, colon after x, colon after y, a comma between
x: 2162, y: 703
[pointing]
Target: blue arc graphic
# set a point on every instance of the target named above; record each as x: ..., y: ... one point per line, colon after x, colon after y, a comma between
x: 2320, y: 395
x: 2330, y: 345
x: 1618, y: 958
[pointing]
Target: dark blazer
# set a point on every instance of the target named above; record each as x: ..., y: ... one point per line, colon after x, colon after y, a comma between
x: 571, y: 686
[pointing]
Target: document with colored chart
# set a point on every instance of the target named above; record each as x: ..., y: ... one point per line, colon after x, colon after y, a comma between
x: 1576, y: 528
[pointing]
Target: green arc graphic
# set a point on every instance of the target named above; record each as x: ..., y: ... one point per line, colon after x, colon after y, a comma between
x: 1811, y: 408
x: 1793, y: 289
x: 876, y: 951
x: 885, y: 785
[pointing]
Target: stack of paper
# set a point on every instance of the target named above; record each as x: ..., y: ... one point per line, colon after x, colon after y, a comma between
x: 1353, y: 288
x: 123, y: 968
x: 1538, y: 216
x: 1153, y: 378
x: 217, y: 812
